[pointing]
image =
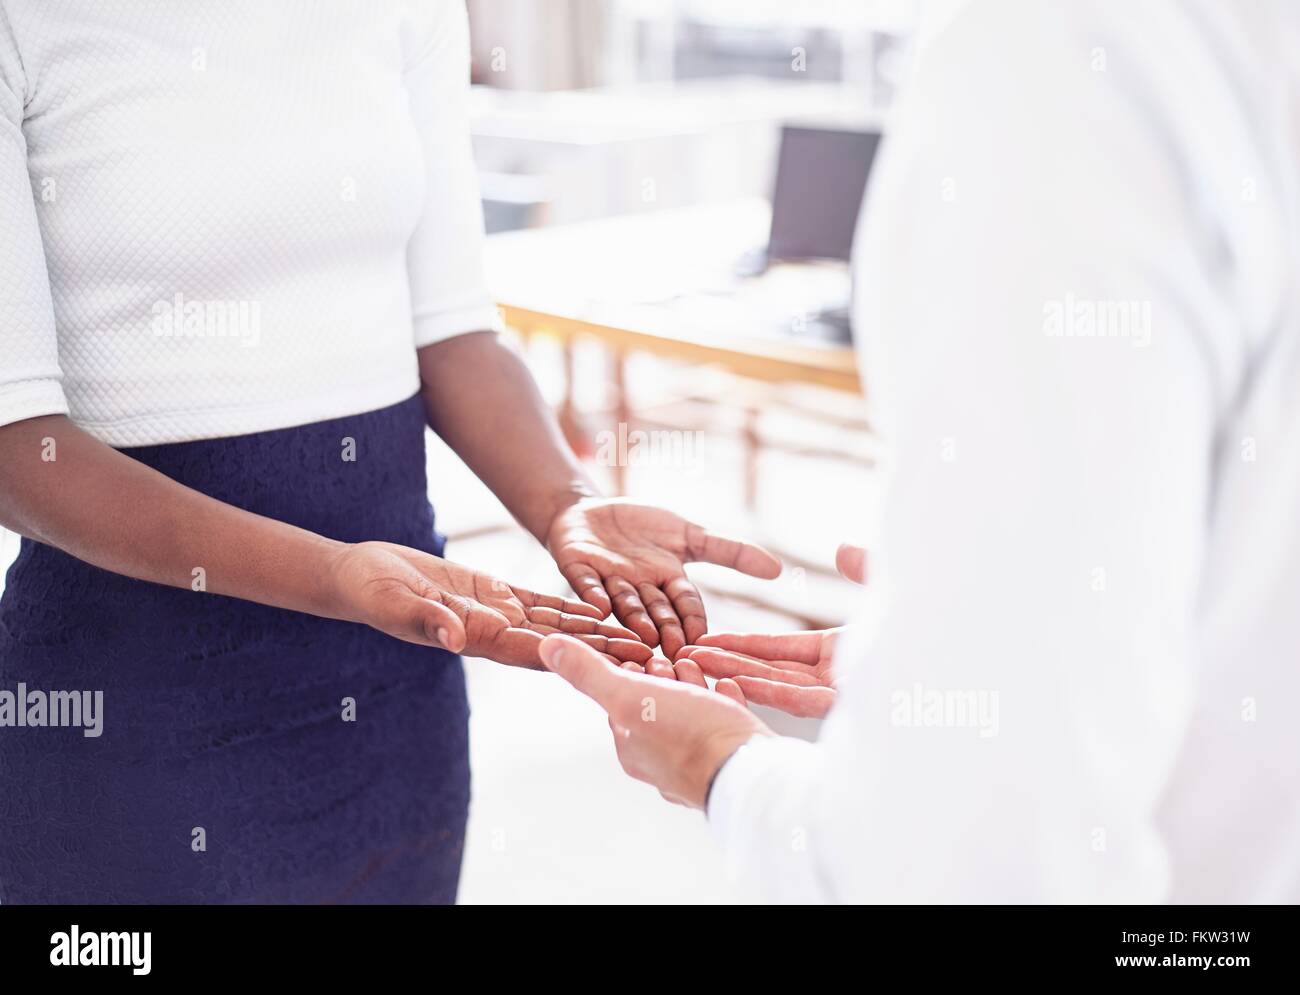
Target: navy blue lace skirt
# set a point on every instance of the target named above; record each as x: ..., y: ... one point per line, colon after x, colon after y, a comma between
x: 227, y: 769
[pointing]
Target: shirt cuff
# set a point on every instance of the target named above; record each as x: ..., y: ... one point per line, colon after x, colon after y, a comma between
x: 31, y: 399
x: 431, y: 328
x: 760, y: 759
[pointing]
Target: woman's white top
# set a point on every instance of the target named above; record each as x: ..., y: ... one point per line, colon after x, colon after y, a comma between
x: 1080, y: 274
x: 227, y: 216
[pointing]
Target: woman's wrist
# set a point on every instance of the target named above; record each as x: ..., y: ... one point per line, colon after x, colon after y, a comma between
x: 561, y: 501
x: 322, y: 591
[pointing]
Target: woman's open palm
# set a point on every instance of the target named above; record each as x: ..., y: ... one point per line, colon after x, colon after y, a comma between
x: 631, y: 559
x: 428, y: 600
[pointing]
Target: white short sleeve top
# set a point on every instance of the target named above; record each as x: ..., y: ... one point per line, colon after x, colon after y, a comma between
x: 226, y: 217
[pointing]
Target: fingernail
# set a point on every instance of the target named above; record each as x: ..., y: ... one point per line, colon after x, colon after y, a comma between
x: 443, y: 637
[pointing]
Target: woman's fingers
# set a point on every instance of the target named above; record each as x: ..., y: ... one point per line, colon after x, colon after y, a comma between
x: 657, y: 605
x: 576, y: 624
x: 689, y: 607
x: 704, y: 547
x: 623, y: 650
x: 586, y: 584
x: 605, y: 637
x: 657, y: 666
x: 426, y: 621
x: 620, y: 650
x: 531, y: 599
x: 515, y: 647
x: 804, y: 702
x: 719, y: 663
x: 801, y: 647
x: 629, y: 610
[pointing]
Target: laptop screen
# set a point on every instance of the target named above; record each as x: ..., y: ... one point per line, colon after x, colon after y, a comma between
x: 820, y: 178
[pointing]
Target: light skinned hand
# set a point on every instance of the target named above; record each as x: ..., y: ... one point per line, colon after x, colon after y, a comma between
x: 792, y: 672
x: 425, y: 599
x: 851, y: 562
x: 671, y: 734
x: 630, y: 559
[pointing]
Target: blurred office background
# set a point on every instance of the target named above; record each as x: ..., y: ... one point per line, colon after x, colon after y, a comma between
x: 629, y: 152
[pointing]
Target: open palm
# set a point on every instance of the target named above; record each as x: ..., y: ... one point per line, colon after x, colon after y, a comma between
x: 428, y: 600
x: 792, y: 671
x: 630, y: 559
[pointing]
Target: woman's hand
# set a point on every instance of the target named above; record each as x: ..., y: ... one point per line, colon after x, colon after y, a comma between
x: 618, y: 556
x: 431, y: 601
x: 630, y: 558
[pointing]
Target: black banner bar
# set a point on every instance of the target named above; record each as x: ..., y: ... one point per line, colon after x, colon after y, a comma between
x: 152, y: 945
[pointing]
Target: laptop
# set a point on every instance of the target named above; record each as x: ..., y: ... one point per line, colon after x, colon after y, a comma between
x: 821, y: 176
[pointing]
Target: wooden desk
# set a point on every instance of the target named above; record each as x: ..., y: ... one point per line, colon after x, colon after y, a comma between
x: 620, y: 280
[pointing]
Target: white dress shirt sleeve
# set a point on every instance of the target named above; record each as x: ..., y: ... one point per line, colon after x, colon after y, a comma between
x: 29, y: 351
x: 759, y: 805
x: 1052, y: 328
x: 449, y: 294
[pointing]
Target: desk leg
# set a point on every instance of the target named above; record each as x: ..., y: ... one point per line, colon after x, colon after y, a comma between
x: 570, y: 423
x: 622, y: 412
x: 753, y: 444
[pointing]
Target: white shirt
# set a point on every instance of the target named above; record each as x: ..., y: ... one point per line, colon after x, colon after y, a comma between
x: 1080, y: 678
x: 227, y: 216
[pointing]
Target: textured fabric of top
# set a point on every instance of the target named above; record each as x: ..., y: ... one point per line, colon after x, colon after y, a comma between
x: 229, y: 216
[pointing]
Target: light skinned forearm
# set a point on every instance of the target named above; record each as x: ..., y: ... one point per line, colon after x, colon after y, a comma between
x: 63, y: 487
x: 482, y: 401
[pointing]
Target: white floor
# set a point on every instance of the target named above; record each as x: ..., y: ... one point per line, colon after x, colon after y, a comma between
x: 554, y: 819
